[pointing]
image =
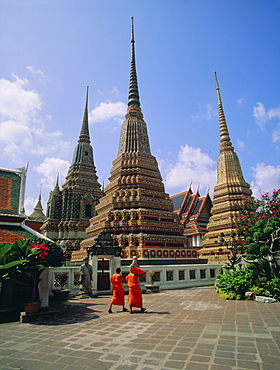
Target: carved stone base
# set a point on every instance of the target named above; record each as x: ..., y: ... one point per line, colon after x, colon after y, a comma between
x: 151, y: 288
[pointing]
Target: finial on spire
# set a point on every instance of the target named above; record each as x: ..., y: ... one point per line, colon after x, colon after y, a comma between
x: 87, y: 98
x: 218, y: 89
x: 133, y: 94
x: 132, y: 29
x: 224, y: 134
x: 84, y: 134
x: 40, y: 194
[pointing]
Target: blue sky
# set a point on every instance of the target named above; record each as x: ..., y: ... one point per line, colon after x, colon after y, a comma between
x: 51, y: 50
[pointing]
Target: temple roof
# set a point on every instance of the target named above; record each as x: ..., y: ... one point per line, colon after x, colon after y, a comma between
x: 190, y: 206
x: 12, y: 228
x: 38, y: 214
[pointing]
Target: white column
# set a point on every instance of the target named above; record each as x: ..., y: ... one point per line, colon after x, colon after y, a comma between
x: 94, y: 262
x: 43, y: 287
x: 115, y: 262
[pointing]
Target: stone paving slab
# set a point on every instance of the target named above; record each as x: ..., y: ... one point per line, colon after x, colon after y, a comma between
x: 182, y: 329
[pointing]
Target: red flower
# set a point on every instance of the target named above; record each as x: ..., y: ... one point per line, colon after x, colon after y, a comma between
x: 43, y: 248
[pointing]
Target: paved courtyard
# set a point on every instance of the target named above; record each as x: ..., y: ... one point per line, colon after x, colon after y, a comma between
x: 182, y: 329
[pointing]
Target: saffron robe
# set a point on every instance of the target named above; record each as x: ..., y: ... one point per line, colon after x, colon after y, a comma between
x: 134, y: 292
x: 118, y: 291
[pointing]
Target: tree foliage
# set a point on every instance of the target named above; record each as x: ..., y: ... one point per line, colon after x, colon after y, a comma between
x: 258, y: 226
x: 257, y: 238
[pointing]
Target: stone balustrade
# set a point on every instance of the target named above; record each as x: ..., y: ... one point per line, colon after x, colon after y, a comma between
x: 166, y: 276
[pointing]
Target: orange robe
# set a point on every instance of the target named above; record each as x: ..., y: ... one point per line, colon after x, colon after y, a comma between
x: 134, y: 293
x: 118, y: 291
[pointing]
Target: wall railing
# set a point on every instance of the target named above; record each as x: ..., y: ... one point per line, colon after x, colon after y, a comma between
x: 166, y: 276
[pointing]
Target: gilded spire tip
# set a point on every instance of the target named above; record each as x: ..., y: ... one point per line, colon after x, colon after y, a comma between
x: 132, y: 29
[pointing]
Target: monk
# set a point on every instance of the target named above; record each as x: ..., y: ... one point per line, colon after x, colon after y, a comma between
x: 134, y: 293
x: 118, y: 291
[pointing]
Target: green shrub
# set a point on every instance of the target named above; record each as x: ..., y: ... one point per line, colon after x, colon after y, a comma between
x: 236, y: 281
x: 257, y: 290
x: 234, y: 284
x: 268, y: 288
x: 229, y: 295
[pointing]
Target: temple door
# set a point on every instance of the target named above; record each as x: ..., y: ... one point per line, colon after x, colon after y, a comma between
x: 103, y: 274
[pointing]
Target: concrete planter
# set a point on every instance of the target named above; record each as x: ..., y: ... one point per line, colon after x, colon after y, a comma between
x: 61, y: 294
x: 152, y: 288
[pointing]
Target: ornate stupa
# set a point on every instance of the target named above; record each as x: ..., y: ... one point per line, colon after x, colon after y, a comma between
x: 229, y: 194
x: 136, y: 210
x: 37, y: 214
x: 70, y: 209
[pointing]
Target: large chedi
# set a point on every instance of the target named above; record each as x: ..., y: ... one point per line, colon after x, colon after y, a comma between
x: 70, y: 209
x: 135, y: 209
x: 229, y: 194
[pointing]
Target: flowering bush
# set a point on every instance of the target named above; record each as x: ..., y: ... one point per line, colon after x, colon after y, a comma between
x: 257, y: 237
x: 24, y: 260
x: 258, y: 225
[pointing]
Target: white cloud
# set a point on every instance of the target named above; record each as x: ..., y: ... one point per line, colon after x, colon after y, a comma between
x: 240, y: 144
x: 192, y: 166
x: 37, y: 72
x: 240, y: 100
x: 276, y: 134
x: 29, y: 204
x: 108, y: 110
x: 22, y: 125
x: 262, y: 115
x: 273, y: 113
x: 267, y: 178
x: 115, y: 91
x: 207, y: 113
x: 49, y: 168
x: 16, y: 102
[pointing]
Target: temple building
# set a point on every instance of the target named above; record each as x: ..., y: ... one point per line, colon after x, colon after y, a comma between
x: 229, y: 194
x: 37, y: 217
x: 135, y: 209
x: 13, y: 225
x: 70, y: 209
x: 194, y: 212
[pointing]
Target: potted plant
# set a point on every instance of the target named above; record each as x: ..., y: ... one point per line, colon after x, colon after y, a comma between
x: 151, y: 288
x: 21, y: 264
x: 60, y: 281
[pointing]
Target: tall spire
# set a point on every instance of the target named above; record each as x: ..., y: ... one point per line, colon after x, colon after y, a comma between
x: 133, y: 95
x: 37, y: 214
x: 229, y: 192
x: 83, y: 151
x: 84, y: 134
x: 224, y: 134
x: 56, y: 189
x: 135, y: 208
x: 134, y: 134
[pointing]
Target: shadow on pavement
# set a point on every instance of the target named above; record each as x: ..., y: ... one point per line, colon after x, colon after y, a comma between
x: 152, y: 313
x: 67, y: 313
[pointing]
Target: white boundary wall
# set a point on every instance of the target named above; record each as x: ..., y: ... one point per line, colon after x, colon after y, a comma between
x: 171, y: 276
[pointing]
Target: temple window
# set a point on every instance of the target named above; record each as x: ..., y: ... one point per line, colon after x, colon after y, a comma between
x: 192, y: 274
x: 88, y: 210
x: 181, y: 274
x: 212, y: 273
x: 202, y: 274
x: 169, y: 276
